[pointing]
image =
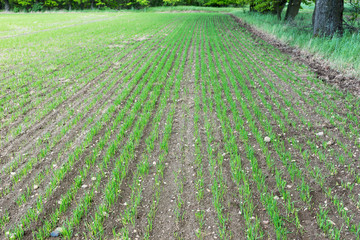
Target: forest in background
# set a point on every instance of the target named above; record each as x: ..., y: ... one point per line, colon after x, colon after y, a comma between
x: 327, y: 17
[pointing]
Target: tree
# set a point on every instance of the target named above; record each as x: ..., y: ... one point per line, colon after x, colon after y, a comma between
x: 267, y: 6
x: 292, y: 9
x: 6, y: 5
x: 278, y: 6
x: 328, y: 18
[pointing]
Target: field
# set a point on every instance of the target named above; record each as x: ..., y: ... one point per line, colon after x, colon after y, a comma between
x: 125, y: 125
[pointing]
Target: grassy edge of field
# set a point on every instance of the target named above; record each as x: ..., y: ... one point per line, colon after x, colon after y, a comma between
x: 341, y: 53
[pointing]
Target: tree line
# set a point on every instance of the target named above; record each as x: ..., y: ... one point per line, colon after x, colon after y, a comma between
x: 327, y: 16
x: 327, y: 19
x: 39, y: 5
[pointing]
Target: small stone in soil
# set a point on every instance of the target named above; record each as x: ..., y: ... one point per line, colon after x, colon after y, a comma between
x: 320, y: 134
x: 60, y: 229
x: 57, y: 232
x: 266, y: 222
x: 267, y: 139
x: 331, y: 222
x: 84, y: 186
x: 36, y: 187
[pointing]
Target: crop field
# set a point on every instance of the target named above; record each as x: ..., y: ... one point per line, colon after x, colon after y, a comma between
x: 169, y: 126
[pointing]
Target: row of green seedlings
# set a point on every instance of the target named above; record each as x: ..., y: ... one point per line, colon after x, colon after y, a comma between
x: 51, y: 89
x: 46, y: 58
x: 89, y: 38
x: 54, y: 57
x: 160, y: 164
x: 239, y: 177
x: 88, y: 73
x: 65, y: 129
x: 199, y: 155
x: 316, y: 173
x: 179, y: 180
x: 267, y: 198
x: 324, y: 97
x: 327, y: 111
x: 142, y: 170
x: 215, y: 153
x: 180, y: 177
x: 96, y: 227
x: 337, y: 204
x: 129, y: 214
x: 325, y: 143
x: 341, y: 157
x: 200, y: 182
x: 46, y: 137
x: 298, y: 174
x: 60, y: 173
x: 348, y: 152
x: 330, y: 165
x: 249, y: 66
x: 179, y: 210
x: 279, y: 181
x: 321, y: 100
x: 61, y: 59
x: 84, y: 70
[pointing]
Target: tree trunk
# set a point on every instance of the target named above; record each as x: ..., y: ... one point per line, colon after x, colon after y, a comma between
x: 292, y: 10
x: 313, y: 16
x: 252, y: 7
x: 278, y: 7
x: 7, y: 5
x: 328, y: 17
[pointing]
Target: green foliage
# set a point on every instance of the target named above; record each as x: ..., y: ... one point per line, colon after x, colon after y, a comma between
x: 23, y: 3
x: 354, y: 13
x: 171, y: 2
x: 37, y: 7
x: 42, y: 5
x: 143, y: 3
x: 224, y: 3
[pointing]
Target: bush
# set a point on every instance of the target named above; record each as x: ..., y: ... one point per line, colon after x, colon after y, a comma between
x: 37, y: 7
